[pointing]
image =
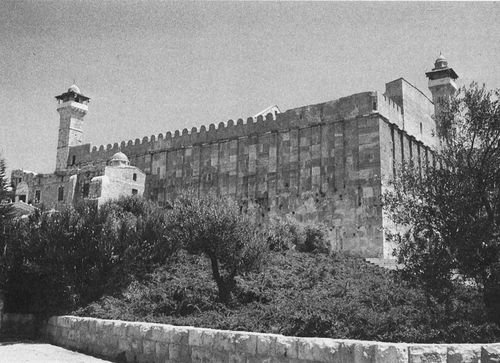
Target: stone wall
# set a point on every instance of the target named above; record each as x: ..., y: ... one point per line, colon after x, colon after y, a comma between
x: 143, y: 342
x: 135, y: 342
x: 318, y: 163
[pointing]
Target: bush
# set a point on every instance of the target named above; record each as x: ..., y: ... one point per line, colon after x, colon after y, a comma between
x: 302, y: 294
x: 53, y: 262
x: 283, y: 234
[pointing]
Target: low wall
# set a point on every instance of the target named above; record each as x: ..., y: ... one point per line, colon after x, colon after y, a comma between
x: 143, y: 342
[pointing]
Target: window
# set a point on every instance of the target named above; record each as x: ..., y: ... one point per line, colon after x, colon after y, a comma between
x: 86, y: 189
x: 134, y: 177
x: 22, y: 198
x: 60, y: 194
x: 134, y: 191
x: 420, y: 128
x: 73, y: 160
x: 37, y: 196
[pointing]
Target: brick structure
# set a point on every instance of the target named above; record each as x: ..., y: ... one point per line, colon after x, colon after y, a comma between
x: 327, y: 162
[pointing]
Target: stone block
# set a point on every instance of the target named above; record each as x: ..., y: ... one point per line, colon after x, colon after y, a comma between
x: 219, y: 357
x: 266, y: 345
x: 194, y: 337
x: 319, y: 349
x: 64, y: 321
x: 223, y: 341
x: 119, y: 329
x: 286, y: 347
x: 201, y: 354
x: 391, y: 353
x: 123, y: 344
x: 109, y: 346
x: 427, y: 353
x: 464, y: 353
x: 490, y: 353
x: 92, y: 325
x: 364, y: 352
x: 179, y: 352
x: 237, y: 357
x: 133, y: 330
x: 160, y: 333
x: 135, y: 346
x: 149, y: 349
x: 208, y: 338
x: 245, y: 343
x: 161, y: 352
x: 179, y: 335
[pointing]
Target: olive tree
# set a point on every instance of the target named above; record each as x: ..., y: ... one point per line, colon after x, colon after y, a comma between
x: 450, y: 214
x: 215, y: 227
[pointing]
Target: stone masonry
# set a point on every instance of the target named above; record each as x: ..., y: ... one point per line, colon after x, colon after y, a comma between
x: 328, y: 162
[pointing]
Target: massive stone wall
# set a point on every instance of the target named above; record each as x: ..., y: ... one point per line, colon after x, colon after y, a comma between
x: 314, y: 163
x: 323, y: 162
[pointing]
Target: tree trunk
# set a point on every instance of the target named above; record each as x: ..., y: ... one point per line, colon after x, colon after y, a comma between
x: 224, y: 285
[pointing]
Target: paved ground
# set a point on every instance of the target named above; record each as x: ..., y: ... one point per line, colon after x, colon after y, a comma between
x: 32, y: 352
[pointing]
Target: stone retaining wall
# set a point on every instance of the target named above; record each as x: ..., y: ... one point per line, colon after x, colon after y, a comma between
x: 143, y: 342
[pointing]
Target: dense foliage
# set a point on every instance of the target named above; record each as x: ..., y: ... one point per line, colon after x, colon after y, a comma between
x: 449, y: 215
x: 55, y: 261
x: 51, y: 262
x: 300, y: 294
x: 133, y: 260
x: 5, y: 209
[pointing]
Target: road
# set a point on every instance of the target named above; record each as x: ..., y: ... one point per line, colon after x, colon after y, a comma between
x: 31, y: 352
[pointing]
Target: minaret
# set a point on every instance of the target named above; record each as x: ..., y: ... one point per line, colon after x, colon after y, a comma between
x: 441, y: 82
x: 72, y: 108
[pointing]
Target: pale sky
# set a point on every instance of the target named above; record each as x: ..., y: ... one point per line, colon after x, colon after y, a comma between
x: 152, y: 67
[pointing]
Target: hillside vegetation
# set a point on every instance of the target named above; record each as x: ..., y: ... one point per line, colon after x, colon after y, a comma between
x: 203, y: 263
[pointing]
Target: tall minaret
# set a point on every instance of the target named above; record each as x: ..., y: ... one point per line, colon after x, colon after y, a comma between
x: 441, y: 82
x: 72, y: 107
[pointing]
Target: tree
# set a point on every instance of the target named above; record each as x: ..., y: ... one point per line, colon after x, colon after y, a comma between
x: 215, y: 227
x: 6, y: 212
x: 449, y: 217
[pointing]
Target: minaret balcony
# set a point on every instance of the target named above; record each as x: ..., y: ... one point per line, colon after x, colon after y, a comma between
x: 446, y: 81
x: 75, y: 105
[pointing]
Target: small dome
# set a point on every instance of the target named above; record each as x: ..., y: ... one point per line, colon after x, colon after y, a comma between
x: 74, y: 88
x: 440, y: 62
x: 119, y: 159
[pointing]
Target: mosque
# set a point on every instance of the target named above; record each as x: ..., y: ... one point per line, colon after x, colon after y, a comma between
x: 327, y: 162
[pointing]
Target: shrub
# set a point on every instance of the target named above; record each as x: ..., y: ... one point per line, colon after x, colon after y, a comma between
x: 302, y: 294
x: 53, y: 262
x: 283, y: 234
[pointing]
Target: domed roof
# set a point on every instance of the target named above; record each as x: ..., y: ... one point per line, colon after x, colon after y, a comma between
x: 119, y: 156
x: 440, y: 62
x: 441, y: 57
x: 74, y: 88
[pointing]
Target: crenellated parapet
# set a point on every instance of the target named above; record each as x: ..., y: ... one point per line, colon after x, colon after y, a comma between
x: 333, y: 111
